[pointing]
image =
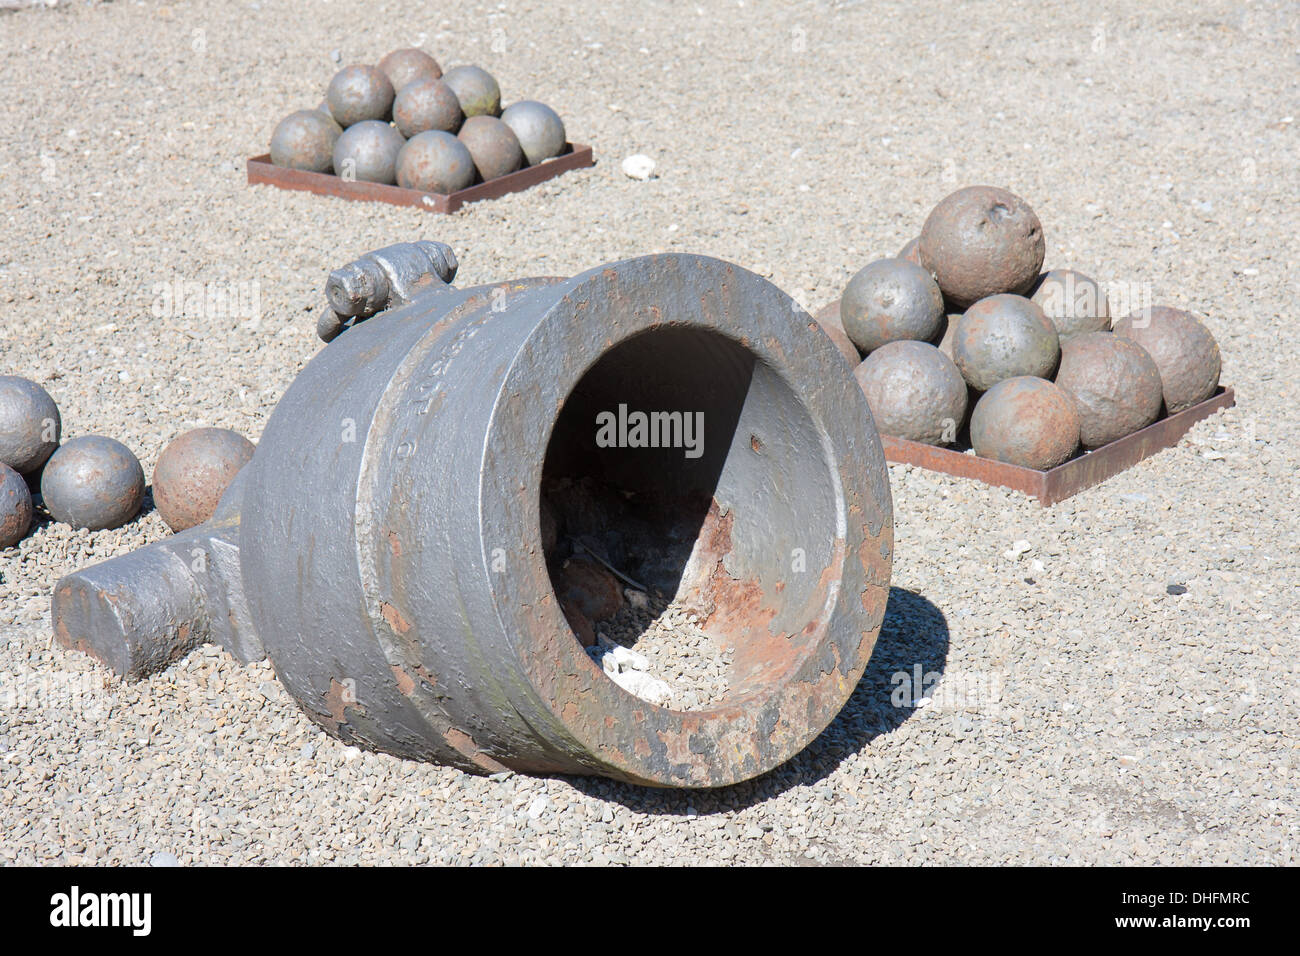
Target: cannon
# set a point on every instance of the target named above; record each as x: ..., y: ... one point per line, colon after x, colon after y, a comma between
x: 384, y: 546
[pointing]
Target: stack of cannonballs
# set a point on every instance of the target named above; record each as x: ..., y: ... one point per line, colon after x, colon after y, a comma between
x: 962, y: 320
x: 406, y: 122
x: 96, y: 482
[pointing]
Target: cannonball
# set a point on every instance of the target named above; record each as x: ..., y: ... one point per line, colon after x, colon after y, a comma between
x: 493, y: 146
x: 435, y: 162
x: 93, y: 482
x: 193, y: 473
x: 828, y: 319
x: 947, y: 331
x: 476, y: 89
x: 359, y: 93
x: 15, y: 507
x: 538, y: 128
x: 305, y: 140
x: 1114, y: 383
x: 980, y: 241
x: 1004, y: 336
x: 889, y: 300
x: 1025, y: 421
x: 424, y: 105
x: 591, y: 587
x: 914, y: 392
x: 404, y: 67
x: 911, y: 252
x: 1075, y: 303
x: 368, y: 152
x: 29, y: 424
x: 1183, y: 350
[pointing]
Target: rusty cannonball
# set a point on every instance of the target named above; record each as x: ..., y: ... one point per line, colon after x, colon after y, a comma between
x: 15, y: 507
x: 305, y: 140
x: 476, y: 89
x: 29, y: 424
x: 980, y: 241
x: 1025, y: 421
x: 1183, y: 349
x: 538, y: 128
x: 947, y: 330
x: 359, y: 93
x: 911, y: 251
x: 1004, y: 336
x: 889, y: 300
x: 93, y: 482
x: 435, y: 162
x: 493, y: 145
x: 368, y: 152
x: 193, y: 473
x: 404, y: 67
x: 1075, y: 303
x: 828, y: 320
x: 424, y: 105
x: 1114, y: 383
x: 914, y: 392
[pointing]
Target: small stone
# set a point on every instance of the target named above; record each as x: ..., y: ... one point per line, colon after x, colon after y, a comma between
x: 639, y: 167
x: 163, y: 858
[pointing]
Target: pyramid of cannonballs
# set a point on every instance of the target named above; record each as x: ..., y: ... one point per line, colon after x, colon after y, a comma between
x: 406, y: 122
x: 963, y: 320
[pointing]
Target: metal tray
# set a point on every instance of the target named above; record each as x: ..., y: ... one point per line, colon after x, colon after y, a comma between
x: 1063, y: 481
x: 261, y: 170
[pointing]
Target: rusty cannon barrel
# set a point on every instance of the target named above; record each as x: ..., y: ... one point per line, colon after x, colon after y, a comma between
x: 392, y: 543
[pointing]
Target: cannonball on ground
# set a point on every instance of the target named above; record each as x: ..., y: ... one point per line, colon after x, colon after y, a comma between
x: 914, y: 392
x: 947, y: 331
x: 29, y: 424
x: 193, y: 473
x: 404, y: 67
x: 493, y: 145
x: 476, y: 89
x: 93, y: 482
x: 587, y: 593
x: 911, y: 251
x: 1075, y: 303
x: 538, y: 128
x: 425, y: 105
x: 1183, y: 349
x: 889, y: 300
x: 15, y: 507
x: 980, y: 241
x: 1004, y: 336
x: 1114, y: 383
x: 359, y: 93
x: 1025, y: 421
x: 828, y: 319
x: 435, y: 162
x: 368, y: 152
x: 305, y: 140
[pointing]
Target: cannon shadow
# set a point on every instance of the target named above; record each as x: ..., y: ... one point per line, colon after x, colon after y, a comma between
x: 914, y: 634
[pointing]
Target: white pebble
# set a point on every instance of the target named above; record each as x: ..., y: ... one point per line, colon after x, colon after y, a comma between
x: 638, y: 166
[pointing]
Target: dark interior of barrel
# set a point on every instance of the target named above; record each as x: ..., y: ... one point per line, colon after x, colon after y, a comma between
x: 684, y: 469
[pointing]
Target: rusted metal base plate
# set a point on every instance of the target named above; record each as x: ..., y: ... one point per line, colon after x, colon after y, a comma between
x: 261, y: 170
x: 1063, y: 481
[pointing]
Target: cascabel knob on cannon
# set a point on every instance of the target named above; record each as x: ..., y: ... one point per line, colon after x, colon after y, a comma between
x: 385, y: 546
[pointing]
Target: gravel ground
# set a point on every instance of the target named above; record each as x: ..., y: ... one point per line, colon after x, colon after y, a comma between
x: 1037, y: 695
x: 675, y: 649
